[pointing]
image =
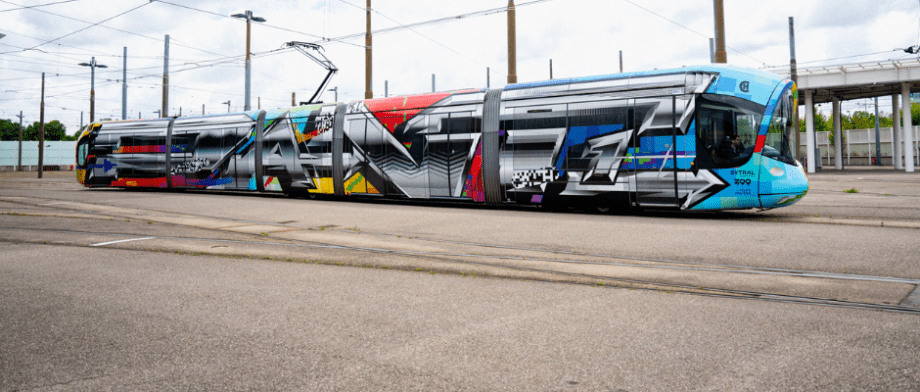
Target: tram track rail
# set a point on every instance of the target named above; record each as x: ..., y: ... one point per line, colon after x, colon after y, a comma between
x: 652, y: 262
x: 458, y: 258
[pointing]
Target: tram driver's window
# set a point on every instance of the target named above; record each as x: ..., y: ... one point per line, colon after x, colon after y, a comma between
x: 728, y: 129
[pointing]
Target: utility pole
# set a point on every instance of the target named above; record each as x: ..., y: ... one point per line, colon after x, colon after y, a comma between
x: 228, y: 105
x: 260, y: 103
x: 712, y: 50
x: 621, y: 61
x: 92, y: 90
x: 512, y: 45
x: 249, y: 19
x: 124, y: 87
x: 487, y: 78
x: 793, y: 71
x: 550, y: 69
x: 336, y: 91
x: 165, y: 110
x: 81, y: 121
x: 721, y: 55
x: 386, y: 88
x: 202, y: 109
x: 19, y: 164
x: 41, y: 131
x: 432, y: 83
x: 293, y: 99
x: 368, y: 56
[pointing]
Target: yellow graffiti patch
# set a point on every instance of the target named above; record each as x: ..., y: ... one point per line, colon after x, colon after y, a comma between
x: 323, y: 185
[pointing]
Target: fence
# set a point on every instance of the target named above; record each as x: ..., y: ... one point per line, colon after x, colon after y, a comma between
x: 58, y: 155
x: 859, y: 146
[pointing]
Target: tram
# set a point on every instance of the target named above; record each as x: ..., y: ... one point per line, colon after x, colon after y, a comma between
x: 695, y: 138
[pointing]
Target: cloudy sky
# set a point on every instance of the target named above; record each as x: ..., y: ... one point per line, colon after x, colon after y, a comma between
x: 582, y: 37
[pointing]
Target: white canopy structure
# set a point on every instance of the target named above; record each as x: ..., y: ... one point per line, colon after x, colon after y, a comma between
x: 854, y: 81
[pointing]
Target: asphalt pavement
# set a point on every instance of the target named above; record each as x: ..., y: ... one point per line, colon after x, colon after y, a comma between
x: 150, y: 290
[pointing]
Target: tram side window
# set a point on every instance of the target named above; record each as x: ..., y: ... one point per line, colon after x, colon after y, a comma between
x: 728, y: 129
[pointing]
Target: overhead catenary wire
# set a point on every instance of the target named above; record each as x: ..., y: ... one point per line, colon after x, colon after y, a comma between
x: 90, y: 26
x: 116, y: 29
x: 427, y: 37
x: 37, y: 6
x: 692, y: 30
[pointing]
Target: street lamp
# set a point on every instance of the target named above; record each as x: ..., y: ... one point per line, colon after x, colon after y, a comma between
x: 228, y: 105
x: 92, y: 91
x: 249, y: 19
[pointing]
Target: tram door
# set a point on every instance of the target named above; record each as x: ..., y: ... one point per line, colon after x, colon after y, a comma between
x: 449, y: 143
x: 654, y: 147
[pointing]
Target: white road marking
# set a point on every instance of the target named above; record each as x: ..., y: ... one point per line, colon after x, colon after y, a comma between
x: 115, y: 242
x: 58, y: 202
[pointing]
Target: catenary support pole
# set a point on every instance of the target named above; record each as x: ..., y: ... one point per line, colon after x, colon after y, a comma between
x: 512, y: 44
x: 487, y: 78
x: 248, y: 88
x: 908, y: 129
x: 550, y: 69
x: 794, y: 73
x: 721, y: 55
x: 92, y: 90
x: 712, y: 50
x: 838, y: 136
x: 432, y: 83
x: 810, y: 130
x: 165, y: 110
x: 386, y: 88
x: 368, y: 57
x: 621, y: 61
x: 124, y: 86
x: 19, y: 162
x: 896, y: 132
x: 293, y: 99
x: 41, y: 131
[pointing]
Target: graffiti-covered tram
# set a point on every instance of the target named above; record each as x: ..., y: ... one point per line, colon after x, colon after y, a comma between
x: 695, y: 138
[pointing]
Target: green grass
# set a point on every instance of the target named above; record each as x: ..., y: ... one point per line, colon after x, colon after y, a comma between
x: 852, y: 190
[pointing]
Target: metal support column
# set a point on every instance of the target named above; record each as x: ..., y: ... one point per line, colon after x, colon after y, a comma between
x: 19, y: 162
x: 164, y: 111
x: 908, y: 130
x: 838, y: 136
x: 896, y: 133
x: 721, y: 56
x: 810, y: 130
x: 124, y: 86
x: 878, y: 143
x: 512, y: 44
x: 794, y: 74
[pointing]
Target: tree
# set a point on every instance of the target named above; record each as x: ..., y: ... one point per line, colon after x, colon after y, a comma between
x: 9, y: 130
x: 822, y: 124
x: 54, y: 131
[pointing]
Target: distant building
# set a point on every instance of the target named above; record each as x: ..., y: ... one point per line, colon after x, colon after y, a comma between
x: 915, y: 97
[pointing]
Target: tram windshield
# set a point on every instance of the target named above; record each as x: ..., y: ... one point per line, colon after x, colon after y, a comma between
x: 728, y: 128
x: 82, y: 151
x: 779, y: 134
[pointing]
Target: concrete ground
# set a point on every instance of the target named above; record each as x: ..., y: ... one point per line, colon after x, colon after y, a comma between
x: 239, y: 292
